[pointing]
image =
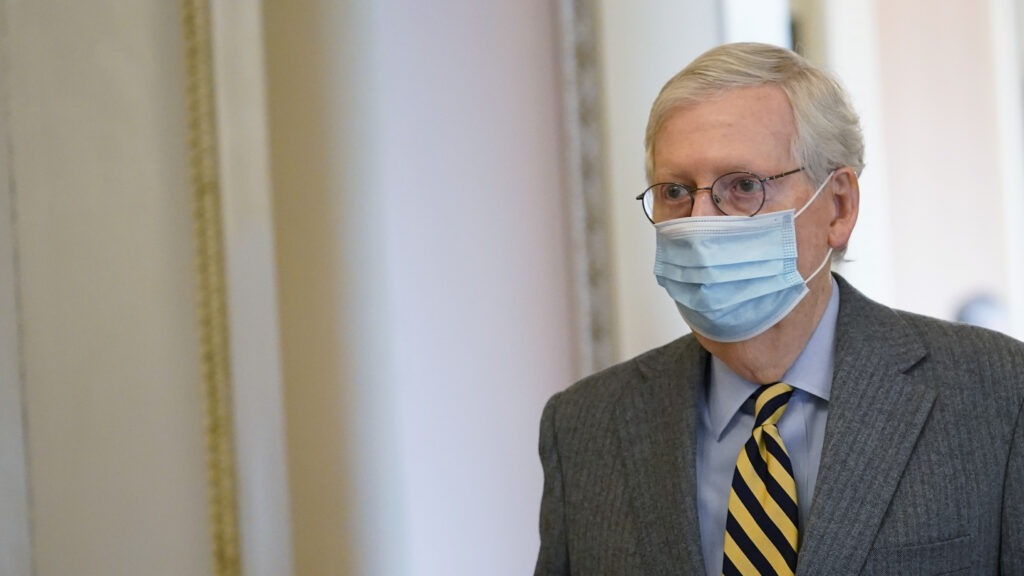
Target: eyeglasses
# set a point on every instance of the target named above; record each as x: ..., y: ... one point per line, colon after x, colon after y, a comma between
x: 734, y: 194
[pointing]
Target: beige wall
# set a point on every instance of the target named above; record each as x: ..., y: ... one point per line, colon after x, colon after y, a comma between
x: 384, y: 379
x: 15, y: 545
x: 941, y: 128
x: 940, y: 102
x: 109, y: 343
x: 421, y: 254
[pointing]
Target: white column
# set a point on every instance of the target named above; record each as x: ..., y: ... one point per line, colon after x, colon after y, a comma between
x: 1007, y: 23
x: 250, y: 270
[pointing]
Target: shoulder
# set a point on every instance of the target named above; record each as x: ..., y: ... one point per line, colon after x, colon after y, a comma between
x: 953, y: 355
x: 954, y: 339
x: 597, y: 395
x: 866, y: 318
x: 976, y: 354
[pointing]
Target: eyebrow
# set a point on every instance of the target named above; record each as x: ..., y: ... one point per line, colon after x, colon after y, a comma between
x: 682, y: 176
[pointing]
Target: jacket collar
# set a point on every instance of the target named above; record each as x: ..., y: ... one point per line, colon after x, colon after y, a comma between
x: 657, y: 428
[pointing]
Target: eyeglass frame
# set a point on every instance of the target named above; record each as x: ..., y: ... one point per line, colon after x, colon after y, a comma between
x: 692, y: 191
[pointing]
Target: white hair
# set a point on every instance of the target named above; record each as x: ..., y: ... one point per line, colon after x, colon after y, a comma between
x: 828, y: 133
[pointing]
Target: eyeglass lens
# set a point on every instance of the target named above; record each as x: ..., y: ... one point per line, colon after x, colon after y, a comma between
x: 735, y: 194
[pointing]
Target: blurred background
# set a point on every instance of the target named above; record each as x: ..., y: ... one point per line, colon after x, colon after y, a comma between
x: 428, y: 229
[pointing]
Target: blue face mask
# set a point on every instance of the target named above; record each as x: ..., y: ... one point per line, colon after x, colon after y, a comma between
x: 733, y: 277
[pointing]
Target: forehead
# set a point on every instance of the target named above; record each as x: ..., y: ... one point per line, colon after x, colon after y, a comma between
x: 743, y: 129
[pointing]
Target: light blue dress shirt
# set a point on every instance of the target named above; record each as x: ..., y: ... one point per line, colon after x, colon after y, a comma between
x: 726, y: 422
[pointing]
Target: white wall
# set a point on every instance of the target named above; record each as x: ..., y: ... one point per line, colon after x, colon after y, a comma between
x: 756, y: 21
x: 467, y: 183
x: 417, y: 158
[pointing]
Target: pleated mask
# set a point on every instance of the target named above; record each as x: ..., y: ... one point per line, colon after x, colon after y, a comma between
x: 733, y: 277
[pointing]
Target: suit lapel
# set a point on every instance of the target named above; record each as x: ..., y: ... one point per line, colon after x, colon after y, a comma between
x: 876, y: 413
x: 657, y: 429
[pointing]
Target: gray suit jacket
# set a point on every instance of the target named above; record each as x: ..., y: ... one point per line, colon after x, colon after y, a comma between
x: 922, y: 470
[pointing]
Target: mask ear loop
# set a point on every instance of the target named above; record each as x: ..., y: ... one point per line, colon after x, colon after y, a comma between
x: 815, y: 196
x: 828, y: 256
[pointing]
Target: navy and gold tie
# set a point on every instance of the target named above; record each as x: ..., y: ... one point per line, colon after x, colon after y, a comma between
x: 761, y: 529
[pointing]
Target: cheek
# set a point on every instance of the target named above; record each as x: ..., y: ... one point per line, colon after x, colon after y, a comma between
x: 812, y: 238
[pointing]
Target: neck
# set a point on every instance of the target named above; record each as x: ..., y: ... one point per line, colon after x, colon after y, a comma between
x: 765, y: 358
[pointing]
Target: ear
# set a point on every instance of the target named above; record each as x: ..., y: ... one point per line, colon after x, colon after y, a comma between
x: 845, y: 192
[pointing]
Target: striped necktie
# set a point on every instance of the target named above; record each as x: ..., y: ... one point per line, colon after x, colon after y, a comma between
x: 761, y: 529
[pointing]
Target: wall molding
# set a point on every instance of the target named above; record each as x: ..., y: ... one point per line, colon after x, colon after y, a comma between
x: 582, y: 108
x: 242, y: 388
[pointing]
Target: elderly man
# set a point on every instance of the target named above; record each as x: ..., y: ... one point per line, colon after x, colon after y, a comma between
x: 801, y: 427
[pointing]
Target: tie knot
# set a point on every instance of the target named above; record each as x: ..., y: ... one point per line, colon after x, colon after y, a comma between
x: 770, y: 402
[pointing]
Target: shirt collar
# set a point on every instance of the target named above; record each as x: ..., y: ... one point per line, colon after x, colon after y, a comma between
x: 810, y: 373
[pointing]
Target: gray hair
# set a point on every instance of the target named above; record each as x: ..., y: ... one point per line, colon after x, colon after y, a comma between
x: 828, y: 134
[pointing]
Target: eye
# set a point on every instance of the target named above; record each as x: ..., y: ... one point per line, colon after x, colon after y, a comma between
x: 746, y: 186
x: 675, y: 192
x: 738, y: 185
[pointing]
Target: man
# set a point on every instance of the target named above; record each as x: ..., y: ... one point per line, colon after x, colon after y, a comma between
x: 801, y: 427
